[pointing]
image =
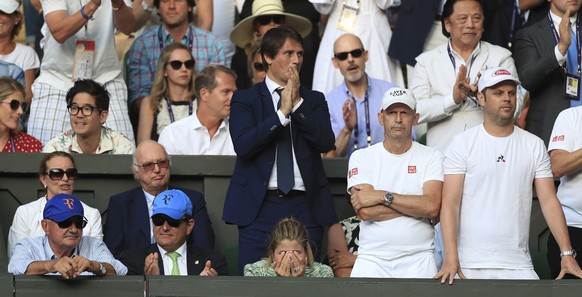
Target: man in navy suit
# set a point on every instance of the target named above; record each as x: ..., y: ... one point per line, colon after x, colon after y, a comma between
x: 278, y: 136
x: 171, y: 254
x: 128, y: 225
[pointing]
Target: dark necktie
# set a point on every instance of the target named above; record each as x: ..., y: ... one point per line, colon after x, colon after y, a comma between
x: 285, y: 178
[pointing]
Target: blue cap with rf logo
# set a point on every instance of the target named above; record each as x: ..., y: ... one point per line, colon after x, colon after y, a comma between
x: 173, y: 203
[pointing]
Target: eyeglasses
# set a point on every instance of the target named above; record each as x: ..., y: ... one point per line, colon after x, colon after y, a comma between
x: 80, y: 223
x: 58, y: 174
x: 177, y: 65
x: 149, y: 166
x: 15, y: 104
x: 160, y: 220
x: 259, y: 66
x: 344, y: 55
x: 86, y: 110
x: 266, y: 19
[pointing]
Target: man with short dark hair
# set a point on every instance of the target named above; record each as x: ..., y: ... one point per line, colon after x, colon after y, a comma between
x: 88, y: 107
x: 206, y: 131
x: 278, y: 136
x: 171, y: 254
x: 64, y: 250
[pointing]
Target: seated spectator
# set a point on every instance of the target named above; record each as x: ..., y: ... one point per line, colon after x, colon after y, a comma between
x: 257, y: 70
x: 12, y: 70
x: 172, y: 96
x: 171, y: 254
x: 289, y: 254
x: 11, y: 108
x: 128, y: 224
x: 206, y: 132
x: 88, y: 106
x: 57, y: 174
x: 64, y: 250
x: 342, y: 245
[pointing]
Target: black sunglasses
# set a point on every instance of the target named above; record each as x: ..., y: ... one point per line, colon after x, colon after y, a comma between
x: 266, y: 19
x: 344, y: 55
x: 80, y: 223
x: 160, y: 220
x: 176, y: 65
x: 259, y: 66
x: 14, y: 104
x: 165, y: 163
x: 58, y: 174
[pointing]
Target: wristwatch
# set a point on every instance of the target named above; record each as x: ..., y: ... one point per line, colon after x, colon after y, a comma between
x: 146, y: 7
x: 102, y: 270
x: 388, y: 197
x: 571, y: 252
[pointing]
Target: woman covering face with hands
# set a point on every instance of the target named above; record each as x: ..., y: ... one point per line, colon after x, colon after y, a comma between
x: 289, y: 254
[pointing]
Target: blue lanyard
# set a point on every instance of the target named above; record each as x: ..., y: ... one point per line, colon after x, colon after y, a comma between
x: 455, y: 64
x: 12, y: 145
x: 161, y: 39
x: 557, y: 38
x: 368, y: 128
x: 169, y: 104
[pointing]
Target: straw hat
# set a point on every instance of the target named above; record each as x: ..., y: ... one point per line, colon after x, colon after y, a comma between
x: 242, y: 34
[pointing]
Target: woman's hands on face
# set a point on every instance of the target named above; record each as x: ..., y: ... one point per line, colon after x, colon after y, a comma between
x: 290, y: 263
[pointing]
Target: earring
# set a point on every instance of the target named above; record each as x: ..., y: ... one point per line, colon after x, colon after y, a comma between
x: 45, y: 187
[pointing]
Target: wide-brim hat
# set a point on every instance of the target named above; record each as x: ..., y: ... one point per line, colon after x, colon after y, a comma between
x: 243, y: 32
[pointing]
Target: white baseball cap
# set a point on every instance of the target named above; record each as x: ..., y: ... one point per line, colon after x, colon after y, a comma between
x: 398, y: 95
x: 9, y: 6
x: 493, y: 76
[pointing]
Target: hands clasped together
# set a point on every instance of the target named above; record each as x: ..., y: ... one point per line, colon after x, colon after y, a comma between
x: 290, y: 95
x: 70, y: 267
x: 151, y: 267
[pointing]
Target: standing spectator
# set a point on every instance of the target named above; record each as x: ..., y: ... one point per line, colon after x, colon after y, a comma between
x: 172, y: 96
x: 368, y: 21
x: 21, y: 55
x: 11, y: 108
x: 88, y: 106
x: 544, y: 53
x: 207, y: 131
x: 264, y: 189
x: 79, y: 45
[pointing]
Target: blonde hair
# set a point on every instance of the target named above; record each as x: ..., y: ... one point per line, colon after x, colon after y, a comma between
x: 290, y: 229
x: 9, y: 86
x: 160, y: 87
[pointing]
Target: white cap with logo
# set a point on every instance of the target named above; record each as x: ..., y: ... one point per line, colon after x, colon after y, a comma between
x: 398, y: 95
x: 493, y: 76
x: 9, y: 6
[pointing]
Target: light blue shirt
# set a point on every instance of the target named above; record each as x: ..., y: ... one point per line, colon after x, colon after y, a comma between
x: 33, y: 249
x: 12, y: 70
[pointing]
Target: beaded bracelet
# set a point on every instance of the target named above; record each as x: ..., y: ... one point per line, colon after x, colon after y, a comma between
x: 85, y: 16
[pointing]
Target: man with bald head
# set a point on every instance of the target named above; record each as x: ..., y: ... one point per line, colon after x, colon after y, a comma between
x: 128, y: 225
x: 350, y: 102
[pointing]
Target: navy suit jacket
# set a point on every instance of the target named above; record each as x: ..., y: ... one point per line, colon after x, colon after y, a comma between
x: 254, y: 128
x: 542, y: 76
x: 134, y: 260
x: 128, y: 223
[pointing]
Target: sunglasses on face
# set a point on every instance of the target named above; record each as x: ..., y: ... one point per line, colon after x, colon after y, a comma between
x: 85, y: 110
x: 259, y: 66
x: 344, y: 55
x: 149, y: 166
x: 58, y: 174
x: 266, y: 19
x: 80, y: 223
x: 177, y: 65
x: 160, y: 220
x: 15, y: 104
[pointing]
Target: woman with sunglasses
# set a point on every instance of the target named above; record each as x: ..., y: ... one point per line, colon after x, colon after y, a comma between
x: 11, y: 108
x: 57, y: 174
x: 172, y: 95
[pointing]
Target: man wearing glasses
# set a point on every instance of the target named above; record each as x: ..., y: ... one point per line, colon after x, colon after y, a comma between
x: 64, y: 250
x: 170, y: 254
x: 128, y: 225
x: 88, y: 107
x: 350, y: 102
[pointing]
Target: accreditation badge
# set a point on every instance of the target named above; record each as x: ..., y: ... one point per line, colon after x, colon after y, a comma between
x: 83, y: 63
x: 348, y: 18
x: 572, y: 87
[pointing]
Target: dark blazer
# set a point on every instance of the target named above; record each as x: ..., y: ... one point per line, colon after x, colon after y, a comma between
x: 540, y: 73
x: 254, y: 128
x: 134, y: 260
x: 128, y: 223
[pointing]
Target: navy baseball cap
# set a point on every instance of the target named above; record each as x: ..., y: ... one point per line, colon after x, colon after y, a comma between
x: 173, y: 203
x: 62, y: 207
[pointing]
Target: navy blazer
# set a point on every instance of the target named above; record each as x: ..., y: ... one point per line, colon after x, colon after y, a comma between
x: 254, y: 128
x: 128, y: 223
x: 134, y: 260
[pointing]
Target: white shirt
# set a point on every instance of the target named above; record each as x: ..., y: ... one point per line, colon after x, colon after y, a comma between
x: 22, y: 56
x: 494, y: 216
x: 169, y: 264
x: 567, y: 136
x: 189, y: 137
x: 26, y: 223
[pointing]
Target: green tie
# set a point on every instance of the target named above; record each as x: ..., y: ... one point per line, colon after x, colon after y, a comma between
x: 174, y: 256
